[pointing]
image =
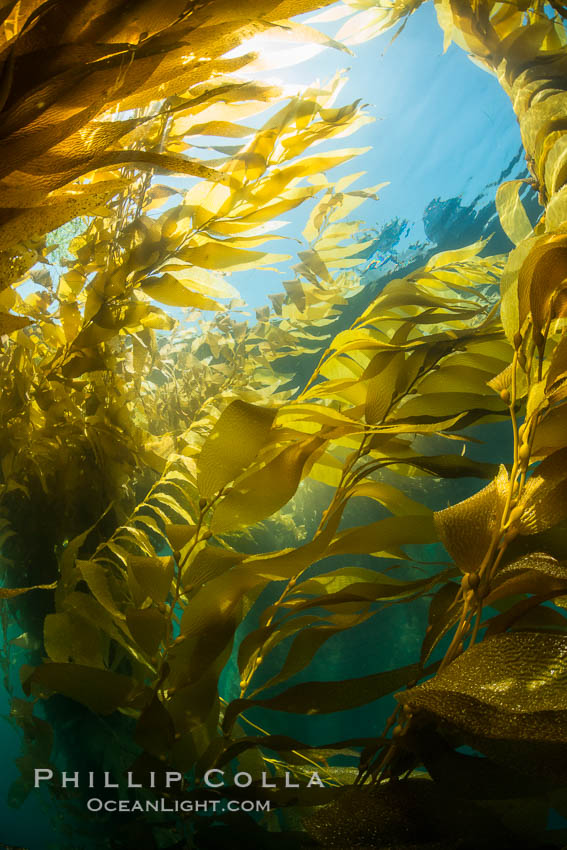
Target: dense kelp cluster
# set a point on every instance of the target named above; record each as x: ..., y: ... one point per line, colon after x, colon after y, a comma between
x: 151, y: 468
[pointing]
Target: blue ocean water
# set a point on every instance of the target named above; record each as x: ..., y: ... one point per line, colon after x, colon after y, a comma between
x: 444, y: 129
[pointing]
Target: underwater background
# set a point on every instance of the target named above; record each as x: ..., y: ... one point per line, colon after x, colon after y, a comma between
x: 260, y: 477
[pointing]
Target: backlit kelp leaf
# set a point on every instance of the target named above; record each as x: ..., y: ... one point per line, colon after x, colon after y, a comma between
x: 338, y: 580
x: 537, y: 574
x: 179, y: 535
x: 358, y: 340
x: 311, y: 260
x: 147, y: 626
x: 167, y: 162
x: 10, y: 323
x: 209, y: 563
x: 442, y: 405
x: 541, y: 561
x: 544, y: 500
x: 287, y: 200
x: 556, y: 211
x: 168, y: 290
x: 541, y: 280
x: 238, y: 435
x: 291, y: 562
x: 152, y: 575
x: 294, y: 31
x: 512, y: 314
x: 36, y: 221
x: 447, y: 258
x: 381, y: 377
x: 11, y: 592
x: 218, y: 128
x: 326, y: 697
x: 358, y: 596
x: 373, y: 20
x: 155, y: 319
x: 272, y: 185
x: 265, y: 491
x: 385, y: 534
x: 467, y: 528
x: 550, y: 432
x: 511, y: 688
x: 215, y: 602
x: 452, y: 466
x: 218, y: 255
x: 404, y: 293
x: 70, y: 319
x: 391, y: 497
x: 100, y: 690
x: 102, y: 585
x: 513, y: 217
x: 14, y: 264
x: 326, y: 469
x: 201, y: 281
x: 503, y: 380
x: 6, y: 9
x: 557, y: 372
x: 322, y: 414
x: 451, y: 379
x: 537, y: 401
x: 104, y: 325
x: 68, y: 637
x: 338, y: 587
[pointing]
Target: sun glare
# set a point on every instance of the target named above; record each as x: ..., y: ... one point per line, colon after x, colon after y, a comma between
x: 276, y: 55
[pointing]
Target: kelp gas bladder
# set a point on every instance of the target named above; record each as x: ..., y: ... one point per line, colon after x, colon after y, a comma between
x: 148, y: 462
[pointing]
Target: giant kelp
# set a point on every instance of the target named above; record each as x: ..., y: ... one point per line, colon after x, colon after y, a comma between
x: 146, y: 462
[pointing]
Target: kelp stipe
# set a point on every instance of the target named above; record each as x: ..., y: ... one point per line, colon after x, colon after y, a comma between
x: 147, y: 464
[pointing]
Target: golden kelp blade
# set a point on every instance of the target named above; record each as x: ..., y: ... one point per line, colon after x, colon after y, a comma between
x: 468, y: 528
x: 506, y: 695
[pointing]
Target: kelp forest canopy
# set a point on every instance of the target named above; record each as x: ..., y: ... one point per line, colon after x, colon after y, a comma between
x: 198, y: 509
